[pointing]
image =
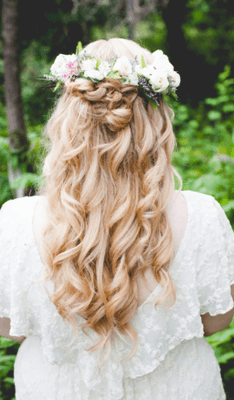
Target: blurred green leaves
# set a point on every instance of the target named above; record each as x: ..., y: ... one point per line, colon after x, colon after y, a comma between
x: 205, y: 144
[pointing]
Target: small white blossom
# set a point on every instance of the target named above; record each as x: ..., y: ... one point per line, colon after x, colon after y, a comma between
x: 93, y: 74
x: 160, y: 73
x: 90, y: 63
x: 104, y: 68
x: 133, y: 79
x: 123, y: 66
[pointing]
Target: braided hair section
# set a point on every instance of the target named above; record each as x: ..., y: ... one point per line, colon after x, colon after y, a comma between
x: 111, y: 101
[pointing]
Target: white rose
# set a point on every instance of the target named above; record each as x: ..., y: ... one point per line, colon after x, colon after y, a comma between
x: 104, y: 68
x: 161, y: 61
x: 93, y: 74
x: 59, y: 66
x: 123, y: 66
x: 159, y: 80
x: 90, y: 63
x: 157, y: 54
x: 174, y: 79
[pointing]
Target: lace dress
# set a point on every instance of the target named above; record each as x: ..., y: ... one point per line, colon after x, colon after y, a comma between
x: 174, y: 361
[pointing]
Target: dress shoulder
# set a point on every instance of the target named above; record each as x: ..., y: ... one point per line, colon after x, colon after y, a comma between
x: 215, y: 256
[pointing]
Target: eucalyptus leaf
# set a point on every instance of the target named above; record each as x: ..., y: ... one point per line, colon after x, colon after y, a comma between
x: 78, y: 48
x: 143, y: 64
x: 57, y: 85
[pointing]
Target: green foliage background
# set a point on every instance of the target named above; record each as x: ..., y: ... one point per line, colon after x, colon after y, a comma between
x: 204, y: 156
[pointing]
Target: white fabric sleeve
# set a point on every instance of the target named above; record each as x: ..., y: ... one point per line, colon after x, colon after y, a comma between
x: 13, y: 288
x: 216, y: 261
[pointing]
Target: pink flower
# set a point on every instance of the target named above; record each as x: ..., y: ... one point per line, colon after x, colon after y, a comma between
x: 64, y: 66
x: 72, y: 67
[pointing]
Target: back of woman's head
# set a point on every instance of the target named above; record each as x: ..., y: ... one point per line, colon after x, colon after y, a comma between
x: 109, y: 180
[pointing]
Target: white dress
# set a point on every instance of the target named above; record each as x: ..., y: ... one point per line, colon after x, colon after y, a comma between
x: 174, y: 360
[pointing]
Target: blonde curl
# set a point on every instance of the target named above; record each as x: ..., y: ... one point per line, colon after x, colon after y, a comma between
x: 106, y: 197
x: 111, y: 101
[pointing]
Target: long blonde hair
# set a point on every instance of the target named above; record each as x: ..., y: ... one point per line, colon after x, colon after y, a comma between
x: 109, y: 180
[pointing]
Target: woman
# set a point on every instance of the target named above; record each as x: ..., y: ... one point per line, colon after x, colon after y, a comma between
x: 117, y: 242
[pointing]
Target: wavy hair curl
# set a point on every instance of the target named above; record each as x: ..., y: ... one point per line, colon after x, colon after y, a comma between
x: 109, y: 180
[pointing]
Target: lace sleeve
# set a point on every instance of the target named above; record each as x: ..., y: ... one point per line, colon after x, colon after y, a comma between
x: 13, y: 261
x: 215, y: 273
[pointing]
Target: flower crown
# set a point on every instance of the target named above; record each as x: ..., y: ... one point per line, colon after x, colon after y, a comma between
x: 159, y: 77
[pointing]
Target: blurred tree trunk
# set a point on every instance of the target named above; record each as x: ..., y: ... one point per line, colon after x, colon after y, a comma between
x: 131, y: 14
x: 135, y: 13
x: 16, y: 126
